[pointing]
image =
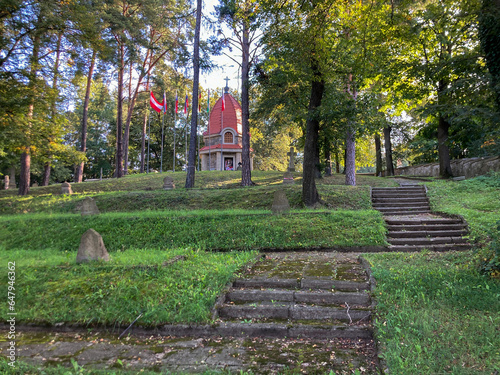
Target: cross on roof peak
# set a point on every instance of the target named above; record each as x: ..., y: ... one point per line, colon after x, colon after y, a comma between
x: 226, y: 89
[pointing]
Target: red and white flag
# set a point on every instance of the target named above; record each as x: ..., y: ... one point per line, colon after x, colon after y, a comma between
x: 155, y: 104
x: 186, y: 105
x: 223, y: 102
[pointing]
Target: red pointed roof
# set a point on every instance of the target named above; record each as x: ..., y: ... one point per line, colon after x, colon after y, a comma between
x: 230, y: 118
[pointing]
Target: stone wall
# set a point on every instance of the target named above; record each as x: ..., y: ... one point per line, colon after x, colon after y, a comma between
x: 469, y: 168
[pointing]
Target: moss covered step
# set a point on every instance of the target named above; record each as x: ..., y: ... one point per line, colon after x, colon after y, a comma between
x: 430, y: 247
x: 316, y: 297
x: 305, y: 283
x: 426, y: 227
x: 291, y: 311
x: 425, y: 233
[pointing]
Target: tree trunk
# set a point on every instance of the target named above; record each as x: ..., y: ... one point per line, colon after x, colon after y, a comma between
x: 191, y: 168
x: 46, y: 174
x: 350, y: 146
x: 443, y: 132
x: 12, y: 179
x: 24, y: 176
x: 143, y: 142
x: 318, y: 162
x: 246, y: 172
x: 350, y: 154
x: 443, y: 150
x: 83, y: 145
x: 378, y: 153
x: 144, y: 131
x: 489, y: 35
x: 47, y: 167
x: 310, y: 194
x: 328, y: 160
x: 388, y: 151
x: 345, y: 160
x: 119, y: 117
x: 337, y: 160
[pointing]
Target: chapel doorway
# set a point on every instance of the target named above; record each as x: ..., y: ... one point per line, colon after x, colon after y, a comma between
x: 228, y: 164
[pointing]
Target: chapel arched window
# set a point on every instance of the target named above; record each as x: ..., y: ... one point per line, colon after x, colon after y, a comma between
x: 228, y: 137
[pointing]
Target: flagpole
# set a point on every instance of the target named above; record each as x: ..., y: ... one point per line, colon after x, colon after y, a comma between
x: 198, y: 136
x: 186, y: 141
x: 161, y: 161
x: 221, y: 136
x: 209, y: 140
x: 149, y: 136
x: 175, y: 120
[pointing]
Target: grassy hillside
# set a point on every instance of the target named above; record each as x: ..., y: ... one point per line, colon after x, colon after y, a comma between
x: 213, y: 191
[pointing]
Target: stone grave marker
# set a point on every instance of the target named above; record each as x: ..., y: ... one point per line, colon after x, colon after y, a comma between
x: 288, y: 178
x: 91, y: 248
x: 89, y: 207
x: 280, y: 203
x: 35, y: 184
x: 168, y: 183
x: 66, y: 188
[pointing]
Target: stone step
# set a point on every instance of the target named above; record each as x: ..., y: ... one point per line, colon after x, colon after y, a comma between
x: 445, y: 247
x: 399, y: 189
x: 398, y: 195
x: 293, y: 312
x: 405, y: 208
x: 426, y: 221
x: 388, y: 206
x: 427, y: 241
x: 305, y: 283
x: 400, y: 200
x: 424, y: 233
x: 294, y: 330
x: 317, y: 298
x: 405, y: 212
x: 426, y: 227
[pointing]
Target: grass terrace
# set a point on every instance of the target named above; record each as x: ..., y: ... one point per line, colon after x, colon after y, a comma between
x: 436, y: 313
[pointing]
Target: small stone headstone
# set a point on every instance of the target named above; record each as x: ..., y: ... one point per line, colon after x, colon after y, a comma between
x: 168, y: 183
x: 91, y: 248
x: 328, y: 171
x: 280, y: 203
x: 288, y: 178
x: 459, y: 178
x: 89, y: 207
x: 6, y: 182
x: 66, y: 188
x: 35, y: 184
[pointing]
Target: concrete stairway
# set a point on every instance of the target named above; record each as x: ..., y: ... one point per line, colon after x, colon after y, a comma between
x: 412, y: 226
x: 404, y: 200
x: 293, y: 296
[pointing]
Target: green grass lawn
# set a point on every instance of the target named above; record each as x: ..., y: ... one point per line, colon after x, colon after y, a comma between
x: 436, y: 313
x: 50, y: 288
x: 214, y: 191
x: 212, y: 230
